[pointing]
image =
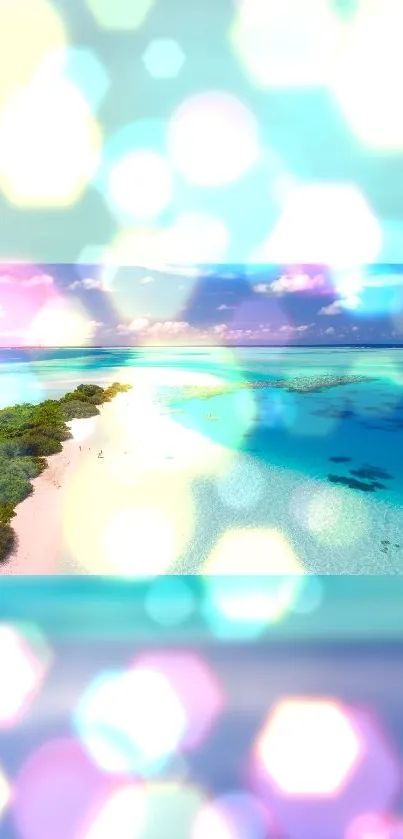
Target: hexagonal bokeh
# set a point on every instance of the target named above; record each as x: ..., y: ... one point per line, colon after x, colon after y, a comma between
x: 120, y: 14
x: 319, y: 764
x: 24, y: 660
x: 163, y: 58
x: 298, y: 741
x: 196, y: 687
x: 367, y: 91
x: 131, y: 720
x: 324, y: 223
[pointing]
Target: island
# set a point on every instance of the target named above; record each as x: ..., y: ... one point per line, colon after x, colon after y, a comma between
x: 31, y: 433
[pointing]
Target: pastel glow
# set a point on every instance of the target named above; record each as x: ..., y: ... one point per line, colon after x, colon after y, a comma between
x: 130, y: 720
x: 22, y: 48
x: 195, y: 237
x: 290, y: 44
x: 120, y: 14
x: 308, y: 747
x: 58, y: 323
x: 369, y: 91
x: 123, y: 813
x: 213, y: 139
x: 141, y: 184
x: 43, y: 162
x: 324, y: 223
x: 140, y: 542
x: 252, y: 551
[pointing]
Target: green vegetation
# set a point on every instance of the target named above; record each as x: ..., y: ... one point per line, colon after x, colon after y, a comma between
x: 28, y: 435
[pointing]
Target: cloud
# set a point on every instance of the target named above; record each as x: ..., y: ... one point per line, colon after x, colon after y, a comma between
x: 169, y: 327
x: 138, y: 324
x: 146, y: 280
x: 290, y: 283
x: 330, y: 330
x: 38, y: 280
x: 223, y: 307
x: 5, y: 280
x: 334, y: 308
x: 262, y: 288
x: 88, y: 284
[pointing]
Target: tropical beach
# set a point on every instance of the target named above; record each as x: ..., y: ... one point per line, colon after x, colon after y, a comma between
x: 191, y: 472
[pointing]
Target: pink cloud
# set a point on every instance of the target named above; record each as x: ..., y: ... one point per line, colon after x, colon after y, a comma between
x: 290, y: 283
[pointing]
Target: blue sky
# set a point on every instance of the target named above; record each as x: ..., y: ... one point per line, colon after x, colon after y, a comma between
x: 205, y: 304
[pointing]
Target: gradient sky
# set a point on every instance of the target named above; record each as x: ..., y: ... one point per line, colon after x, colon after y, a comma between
x: 58, y: 305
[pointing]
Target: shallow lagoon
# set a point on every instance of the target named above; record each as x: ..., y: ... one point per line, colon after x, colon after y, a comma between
x: 323, y: 467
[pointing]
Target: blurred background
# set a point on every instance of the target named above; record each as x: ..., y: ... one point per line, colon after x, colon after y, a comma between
x: 172, y: 132
x: 170, y: 709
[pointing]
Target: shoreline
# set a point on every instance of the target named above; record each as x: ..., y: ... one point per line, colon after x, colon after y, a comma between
x: 37, y: 547
x: 75, y: 494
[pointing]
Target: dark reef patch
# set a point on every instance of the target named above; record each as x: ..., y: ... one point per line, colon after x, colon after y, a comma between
x: 340, y: 459
x: 352, y: 483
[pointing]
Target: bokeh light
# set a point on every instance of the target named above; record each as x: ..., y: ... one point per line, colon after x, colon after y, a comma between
x: 170, y: 601
x: 119, y: 14
x: 60, y: 772
x: 196, y: 687
x: 330, y: 514
x: 140, y: 185
x: 60, y: 321
x: 54, y: 167
x: 308, y: 747
x: 324, y: 224
x: 291, y: 45
x: 163, y: 58
x: 368, y: 91
x: 82, y: 68
x: 138, y: 811
x: 25, y: 659
x: 234, y: 815
x: 131, y: 721
x: 195, y: 238
x: 23, y: 47
x: 252, y: 551
x: 243, y: 607
x: 226, y: 152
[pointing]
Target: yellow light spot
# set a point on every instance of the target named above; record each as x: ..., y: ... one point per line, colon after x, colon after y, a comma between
x: 58, y: 324
x: 252, y: 551
x: 50, y: 144
x: 28, y: 30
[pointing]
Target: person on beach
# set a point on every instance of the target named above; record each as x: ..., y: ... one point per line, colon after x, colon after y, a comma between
x: 100, y: 454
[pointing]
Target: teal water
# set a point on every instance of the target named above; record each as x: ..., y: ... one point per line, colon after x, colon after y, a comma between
x: 361, y: 421
x: 344, y: 433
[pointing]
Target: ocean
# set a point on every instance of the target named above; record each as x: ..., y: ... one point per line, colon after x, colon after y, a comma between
x: 345, y: 438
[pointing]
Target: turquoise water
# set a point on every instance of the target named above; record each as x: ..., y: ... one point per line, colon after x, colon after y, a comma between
x: 362, y: 422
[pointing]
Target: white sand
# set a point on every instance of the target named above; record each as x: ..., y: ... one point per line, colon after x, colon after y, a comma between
x: 332, y: 530
x: 38, y: 519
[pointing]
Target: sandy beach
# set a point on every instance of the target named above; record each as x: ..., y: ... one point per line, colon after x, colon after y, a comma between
x: 136, y: 493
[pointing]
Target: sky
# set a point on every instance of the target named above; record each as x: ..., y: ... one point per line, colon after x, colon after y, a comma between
x: 70, y: 305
